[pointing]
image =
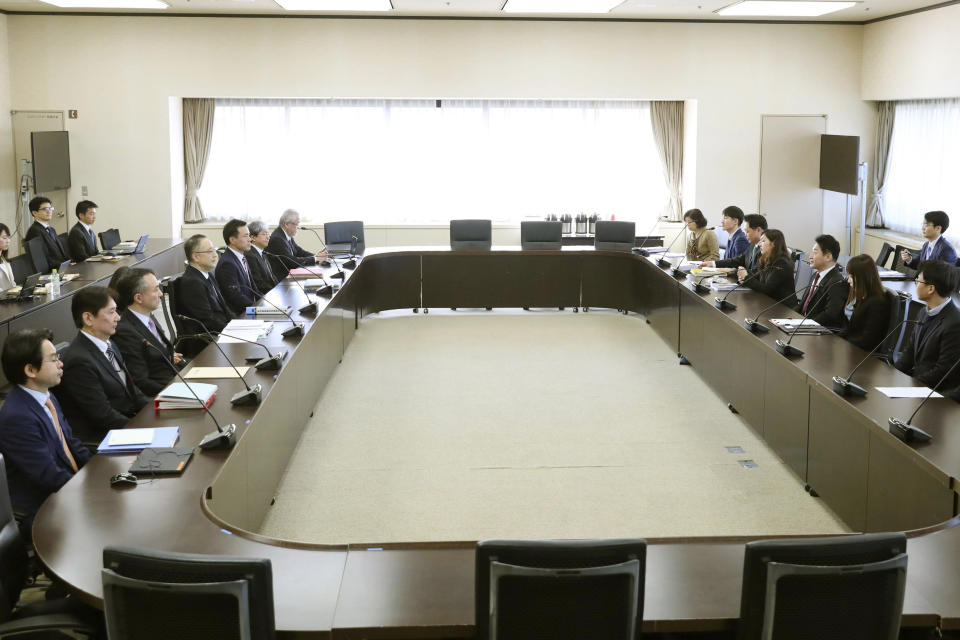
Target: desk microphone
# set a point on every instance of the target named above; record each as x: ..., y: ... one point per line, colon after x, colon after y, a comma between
x: 352, y: 262
x: 330, y: 259
x: 223, y: 437
x: 250, y: 396
x: 308, y: 308
x: 666, y: 264
x: 325, y: 290
x: 906, y: 431
x: 786, y: 348
x: 723, y: 304
x: 272, y: 362
x: 843, y: 386
x: 640, y: 250
x: 756, y: 327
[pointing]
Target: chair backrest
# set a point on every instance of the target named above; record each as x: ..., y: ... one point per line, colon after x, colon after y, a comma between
x: 541, y: 234
x: 151, y: 595
x: 109, y: 238
x: 803, y: 274
x: 471, y: 234
x: 339, y: 235
x: 846, y: 588
x: 22, y: 266
x: 898, y: 264
x: 38, y: 255
x: 899, y: 311
x: 560, y: 589
x: 884, y: 255
x: 615, y: 235
x: 13, y: 553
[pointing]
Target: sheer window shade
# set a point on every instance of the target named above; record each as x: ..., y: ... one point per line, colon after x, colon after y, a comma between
x: 399, y: 161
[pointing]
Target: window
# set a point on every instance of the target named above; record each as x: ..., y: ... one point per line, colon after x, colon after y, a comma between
x: 401, y: 161
x: 924, y: 165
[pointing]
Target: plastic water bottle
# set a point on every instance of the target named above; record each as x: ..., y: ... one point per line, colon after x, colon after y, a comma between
x: 54, y: 283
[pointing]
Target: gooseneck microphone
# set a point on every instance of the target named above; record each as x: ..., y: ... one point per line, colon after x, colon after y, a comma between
x: 352, y: 262
x: 843, y: 386
x: 311, y: 306
x: 666, y: 264
x: 723, y: 304
x: 906, y: 431
x: 223, y: 437
x: 756, y: 327
x: 786, y: 348
x: 325, y: 290
x: 339, y: 275
x: 251, y: 395
x: 308, y: 308
x: 640, y: 250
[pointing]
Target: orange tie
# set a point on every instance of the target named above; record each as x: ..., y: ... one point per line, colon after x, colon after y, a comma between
x: 63, y: 441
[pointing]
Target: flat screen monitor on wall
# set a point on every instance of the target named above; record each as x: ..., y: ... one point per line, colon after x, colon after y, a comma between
x: 839, y: 157
x: 51, y: 160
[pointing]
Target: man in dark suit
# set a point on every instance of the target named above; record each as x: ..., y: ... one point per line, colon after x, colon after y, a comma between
x: 935, y: 345
x: 827, y: 293
x: 756, y: 225
x: 97, y: 393
x: 737, y: 243
x: 935, y: 246
x: 140, y: 294
x: 264, y: 278
x: 233, y: 270
x: 42, y: 211
x: 198, y: 294
x: 82, y: 240
x: 37, y: 443
x: 282, y: 244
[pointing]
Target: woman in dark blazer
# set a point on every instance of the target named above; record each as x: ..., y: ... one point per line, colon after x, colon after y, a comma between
x: 867, y: 314
x: 774, y: 269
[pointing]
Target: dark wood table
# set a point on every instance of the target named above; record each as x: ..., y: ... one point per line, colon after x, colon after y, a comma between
x: 840, y: 447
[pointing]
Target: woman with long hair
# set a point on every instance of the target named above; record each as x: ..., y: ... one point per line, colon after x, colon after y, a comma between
x: 774, y: 269
x: 867, y: 314
x: 6, y: 269
x: 703, y: 244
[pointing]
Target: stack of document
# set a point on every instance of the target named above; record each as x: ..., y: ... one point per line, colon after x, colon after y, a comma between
x: 723, y: 284
x: 267, y: 310
x: 251, y: 330
x: 888, y: 274
x: 134, y: 440
x: 179, y: 396
x: 806, y: 327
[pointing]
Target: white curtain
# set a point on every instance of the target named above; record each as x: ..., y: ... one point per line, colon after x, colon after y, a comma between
x: 197, y: 137
x: 401, y: 161
x: 667, y: 122
x: 924, y: 172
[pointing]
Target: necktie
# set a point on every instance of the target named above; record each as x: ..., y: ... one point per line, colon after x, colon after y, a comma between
x: 153, y: 329
x: 810, y: 293
x: 52, y: 233
x: 926, y: 252
x: 63, y: 441
x: 215, y: 300
x: 267, y: 268
x: 246, y: 269
x: 93, y: 240
x: 112, y: 357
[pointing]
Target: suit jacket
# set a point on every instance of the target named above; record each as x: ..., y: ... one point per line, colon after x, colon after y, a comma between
x: 291, y: 251
x: 198, y: 300
x: 36, y: 462
x: 748, y: 259
x: 150, y: 371
x: 703, y: 246
x: 829, y: 299
x: 56, y: 253
x: 934, y: 348
x: 263, y: 276
x: 234, y: 283
x: 869, y: 323
x: 737, y: 244
x: 91, y: 392
x: 776, y: 282
x: 942, y: 251
x: 81, y: 246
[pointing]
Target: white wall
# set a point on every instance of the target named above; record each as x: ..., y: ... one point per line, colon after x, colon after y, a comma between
x: 121, y: 72
x: 916, y: 56
x: 8, y: 169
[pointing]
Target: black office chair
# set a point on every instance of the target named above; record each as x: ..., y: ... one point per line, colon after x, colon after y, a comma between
x: 884, y: 255
x: 541, y: 234
x: 843, y: 588
x: 109, y: 238
x: 182, y: 336
x: 38, y: 255
x: 803, y: 274
x: 615, y: 235
x: 22, y: 267
x: 153, y: 595
x: 560, y: 589
x: 898, y: 263
x: 471, y: 234
x: 338, y: 236
x: 899, y: 311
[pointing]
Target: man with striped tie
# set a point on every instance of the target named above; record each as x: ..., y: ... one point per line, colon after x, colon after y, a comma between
x: 284, y: 252
x: 233, y: 271
x: 82, y: 241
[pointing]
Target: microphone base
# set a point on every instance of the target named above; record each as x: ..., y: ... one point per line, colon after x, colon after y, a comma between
x: 273, y: 363
x: 220, y: 439
x: 755, y: 327
x: 678, y: 274
x: 325, y: 290
x: 701, y: 288
x: 788, y: 349
x: 907, y: 432
x: 349, y: 264
x: 642, y: 252
x: 664, y: 264
x: 310, y: 308
x: 247, y: 397
x: 293, y: 332
x: 843, y: 387
x: 339, y: 275
x: 325, y: 263
x: 724, y: 305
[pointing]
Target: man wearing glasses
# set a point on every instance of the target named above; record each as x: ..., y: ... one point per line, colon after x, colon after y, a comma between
x: 199, y: 296
x: 282, y: 244
x: 935, y: 246
x: 935, y: 346
x: 38, y: 446
x: 42, y: 211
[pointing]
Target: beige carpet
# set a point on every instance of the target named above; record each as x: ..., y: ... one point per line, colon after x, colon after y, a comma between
x: 465, y: 426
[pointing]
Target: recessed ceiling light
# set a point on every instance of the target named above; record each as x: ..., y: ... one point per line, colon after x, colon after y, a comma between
x: 560, y: 6
x: 335, y: 5
x: 108, y: 4
x: 783, y: 8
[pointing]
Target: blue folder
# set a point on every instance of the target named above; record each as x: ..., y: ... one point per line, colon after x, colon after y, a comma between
x: 162, y: 437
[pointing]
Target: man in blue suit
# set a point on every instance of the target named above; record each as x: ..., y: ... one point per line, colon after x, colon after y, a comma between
x: 935, y: 246
x: 737, y: 243
x: 36, y: 441
x: 233, y: 271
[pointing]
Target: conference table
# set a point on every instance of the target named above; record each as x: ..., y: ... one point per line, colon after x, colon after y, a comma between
x: 839, y: 447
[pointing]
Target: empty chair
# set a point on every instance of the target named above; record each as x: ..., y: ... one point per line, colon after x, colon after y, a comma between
x: 899, y: 311
x: 884, y: 255
x: 471, y: 234
x: 38, y: 255
x: 615, y: 235
x: 109, y: 238
x: 803, y: 274
x: 150, y: 595
x: 560, y: 589
x: 541, y: 234
x: 338, y: 236
x: 22, y: 266
x: 826, y: 588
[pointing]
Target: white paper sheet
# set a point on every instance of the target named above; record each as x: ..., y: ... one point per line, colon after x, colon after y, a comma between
x: 130, y: 436
x: 907, y: 392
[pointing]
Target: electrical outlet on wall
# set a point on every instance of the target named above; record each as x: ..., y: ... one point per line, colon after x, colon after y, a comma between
x: 83, y: 190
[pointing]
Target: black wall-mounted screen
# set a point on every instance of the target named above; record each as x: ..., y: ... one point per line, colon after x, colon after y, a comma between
x: 839, y: 156
x: 51, y: 160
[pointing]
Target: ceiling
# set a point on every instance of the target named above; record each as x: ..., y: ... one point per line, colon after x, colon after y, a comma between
x: 629, y: 10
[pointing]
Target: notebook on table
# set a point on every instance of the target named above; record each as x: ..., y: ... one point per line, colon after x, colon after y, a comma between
x: 161, y: 461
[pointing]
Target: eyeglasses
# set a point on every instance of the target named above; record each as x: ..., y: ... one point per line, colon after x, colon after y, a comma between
x: 209, y: 251
x: 919, y: 281
x: 47, y: 209
x: 54, y: 358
